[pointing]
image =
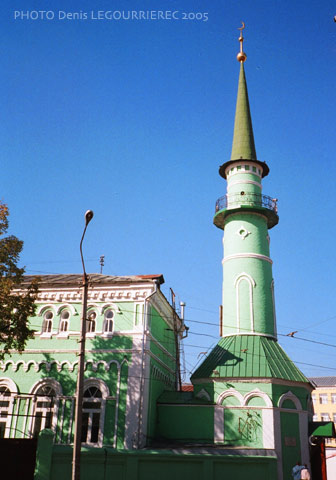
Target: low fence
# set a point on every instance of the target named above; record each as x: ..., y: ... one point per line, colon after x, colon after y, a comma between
x: 54, y: 463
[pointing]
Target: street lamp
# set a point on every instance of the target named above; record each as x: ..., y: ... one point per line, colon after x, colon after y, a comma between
x: 80, y: 377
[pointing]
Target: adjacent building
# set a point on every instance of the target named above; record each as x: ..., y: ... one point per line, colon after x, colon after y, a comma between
x: 132, y: 341
x: 324, y: 402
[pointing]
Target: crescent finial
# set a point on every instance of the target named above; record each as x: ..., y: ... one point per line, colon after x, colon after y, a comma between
x: 241, y: 57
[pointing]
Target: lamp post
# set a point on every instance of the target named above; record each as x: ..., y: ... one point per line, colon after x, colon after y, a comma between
x: 80, y: 376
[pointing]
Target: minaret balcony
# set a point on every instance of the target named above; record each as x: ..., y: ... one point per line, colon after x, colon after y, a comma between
x: 247, y: 202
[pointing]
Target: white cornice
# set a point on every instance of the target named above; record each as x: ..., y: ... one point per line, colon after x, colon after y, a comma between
x: 95, y: 294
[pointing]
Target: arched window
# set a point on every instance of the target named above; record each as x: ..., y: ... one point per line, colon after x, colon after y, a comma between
x: 5, y: 401
x: 92, y: 411
x: 44, y: 398
x: 64, y: 322
x: 47, y: 322
x: 108, y: 321
x: 91, y: 322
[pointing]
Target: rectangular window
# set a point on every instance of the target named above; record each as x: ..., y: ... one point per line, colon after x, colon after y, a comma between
x: 325, y: 417
x: 333, y: 398
x: 254, y: 169
x: 313, y: 399
x: 315, y: 418
x: 247, y: 167
x: 239, y: 167
x: 323, y: 398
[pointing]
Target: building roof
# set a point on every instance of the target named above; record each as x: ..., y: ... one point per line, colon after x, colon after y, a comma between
x: 323, y: 381
x: 63, y: 280
x: 248, y: 356
x: 322, y: 429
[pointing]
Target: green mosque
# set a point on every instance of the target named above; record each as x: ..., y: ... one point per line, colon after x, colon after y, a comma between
x: 247, y: 414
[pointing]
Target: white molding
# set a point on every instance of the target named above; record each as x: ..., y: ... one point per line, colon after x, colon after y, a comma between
x: 251, y: 283
x: 133, y: 397
x: 268, y: 428
x: 43, y: 308
x: 242, y: 232
x: 10, y: 384
x: 12, y: 387
x: 260, y: 394
x: 303, y: 427
x: 218, y: 424
x: 97, y: 382
x: 96, y: 293
x: 60, y: 364
x: 66, y: 306
x: 231, y: 392
x: 116, y: 416
x: 203, y: 394
x: 67, y: 350
x: 290, y: 396
x: 247, y: 255
x: 58, y: 390
x: 278, y: 441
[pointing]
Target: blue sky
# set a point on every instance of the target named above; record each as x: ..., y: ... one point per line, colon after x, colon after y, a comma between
x: 132, y: 120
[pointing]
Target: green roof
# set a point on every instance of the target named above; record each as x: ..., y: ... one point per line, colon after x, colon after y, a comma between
x: 248, y: 356
x: 322, y: 429
x: 243, y: 139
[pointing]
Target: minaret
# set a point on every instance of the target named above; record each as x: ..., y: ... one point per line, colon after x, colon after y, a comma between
x: 245, y: 215
x: 260, y: 398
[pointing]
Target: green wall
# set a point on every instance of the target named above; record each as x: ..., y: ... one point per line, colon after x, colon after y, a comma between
x: 54, y: 462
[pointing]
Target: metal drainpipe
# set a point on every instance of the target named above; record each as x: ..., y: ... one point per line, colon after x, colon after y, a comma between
x: 145, y: 324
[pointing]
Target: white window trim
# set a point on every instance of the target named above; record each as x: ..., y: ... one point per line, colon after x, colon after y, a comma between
x: 8, y: 383
x: 95, y: 382
x: 58, y: 391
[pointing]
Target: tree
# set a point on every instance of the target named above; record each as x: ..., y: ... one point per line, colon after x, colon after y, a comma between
x: 16, y: 303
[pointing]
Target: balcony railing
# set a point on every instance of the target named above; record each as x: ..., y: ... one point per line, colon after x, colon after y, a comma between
x: 236, y: 200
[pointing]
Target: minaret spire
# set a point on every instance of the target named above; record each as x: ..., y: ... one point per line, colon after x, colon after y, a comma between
x: 243, y: 146
x: 243, y: 139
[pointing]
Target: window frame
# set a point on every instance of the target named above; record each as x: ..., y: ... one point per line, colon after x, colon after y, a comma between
x: 53, y: 384
x: 108, y: 321
x: 47, y: 332
x: 8, y: 410
x: 63, y: 322
x: 88, y: 328
x: 102, y: 387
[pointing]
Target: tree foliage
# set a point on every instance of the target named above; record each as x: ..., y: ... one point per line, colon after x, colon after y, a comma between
x: 16, y: 304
